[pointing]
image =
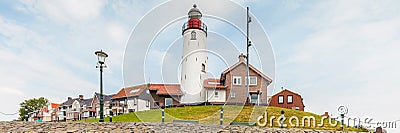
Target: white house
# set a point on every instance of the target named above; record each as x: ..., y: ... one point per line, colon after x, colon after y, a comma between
x: 132, y: 99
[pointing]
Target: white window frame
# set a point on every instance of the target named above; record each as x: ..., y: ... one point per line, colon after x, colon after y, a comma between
x: 290, y: 100
x: 233, y: 95
x: 238, y: 80
x: 147, y: 103
x: 172, y: 102
x: 281, y: 101
x: 135, y: 101
x: 255, y: 79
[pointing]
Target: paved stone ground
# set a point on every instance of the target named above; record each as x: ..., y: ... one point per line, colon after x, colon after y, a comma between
x: 71, y: 127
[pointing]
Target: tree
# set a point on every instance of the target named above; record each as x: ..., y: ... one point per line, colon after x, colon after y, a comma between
x: 32, y: 105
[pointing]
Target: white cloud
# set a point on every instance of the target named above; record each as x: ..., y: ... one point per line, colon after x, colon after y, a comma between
x: 10, y: 91
x: 118, y: 33
x: 68, y: 11
x: 31, y: 67
x: 350, y: 55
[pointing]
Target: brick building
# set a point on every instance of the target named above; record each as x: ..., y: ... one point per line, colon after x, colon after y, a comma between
x: 287, y: 99
x: 234, y: 78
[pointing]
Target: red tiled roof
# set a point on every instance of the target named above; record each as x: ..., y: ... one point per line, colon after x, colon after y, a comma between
x: 130, y: 91
x: 166, y: 89
x: 162, y: 89
x: 215, y: 83
x: 55, y: 105
x: 44, y: 109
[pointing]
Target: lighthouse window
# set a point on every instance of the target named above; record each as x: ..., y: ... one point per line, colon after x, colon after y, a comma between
x: 193, y: 35
x: 203, y: 68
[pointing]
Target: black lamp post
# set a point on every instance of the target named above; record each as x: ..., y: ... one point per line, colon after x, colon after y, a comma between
x: 101, y: 57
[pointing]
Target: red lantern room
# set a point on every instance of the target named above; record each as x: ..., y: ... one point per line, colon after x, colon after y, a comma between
x: 194, y: 21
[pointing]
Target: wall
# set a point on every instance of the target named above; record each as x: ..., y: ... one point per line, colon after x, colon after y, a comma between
x: 240, y: 90
x: 194, y: 55
x: 211, y: 95
x: 297, y: 100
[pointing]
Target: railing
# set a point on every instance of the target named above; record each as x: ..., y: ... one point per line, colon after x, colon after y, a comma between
x: 200, y: 26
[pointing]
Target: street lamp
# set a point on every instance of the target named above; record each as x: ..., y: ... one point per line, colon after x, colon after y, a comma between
x: 101, y: 57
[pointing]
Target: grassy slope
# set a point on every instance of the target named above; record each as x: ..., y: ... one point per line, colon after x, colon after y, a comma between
x: 210, y: 115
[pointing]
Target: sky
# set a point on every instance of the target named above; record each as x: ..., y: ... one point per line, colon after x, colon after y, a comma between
x: 334, y: 52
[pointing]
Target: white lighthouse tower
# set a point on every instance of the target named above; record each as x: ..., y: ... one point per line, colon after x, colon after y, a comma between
x: 194, y: 58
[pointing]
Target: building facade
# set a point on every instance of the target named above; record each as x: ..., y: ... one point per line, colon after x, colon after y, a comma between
x: 167, y: 95
x: 235, y: 79
x: 132, y: 99
x: 287, y: 99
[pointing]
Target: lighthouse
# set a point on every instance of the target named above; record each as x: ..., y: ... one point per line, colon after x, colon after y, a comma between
x: 194, y: 58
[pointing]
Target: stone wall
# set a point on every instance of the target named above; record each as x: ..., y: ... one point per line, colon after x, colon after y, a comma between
x: 64, y: 127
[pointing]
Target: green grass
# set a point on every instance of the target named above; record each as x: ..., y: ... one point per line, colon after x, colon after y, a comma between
x: 211, y: 114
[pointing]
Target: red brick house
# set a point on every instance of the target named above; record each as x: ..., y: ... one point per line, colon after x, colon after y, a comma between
x: 94, y: 109
x: 165, y: 94
x: 234, y: 78
x: 287, y: 99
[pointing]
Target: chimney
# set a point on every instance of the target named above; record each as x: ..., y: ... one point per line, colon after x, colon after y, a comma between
x: 242, y: 57
x: 326, y: 114
x: 69, y: 98
x: 81, y: 97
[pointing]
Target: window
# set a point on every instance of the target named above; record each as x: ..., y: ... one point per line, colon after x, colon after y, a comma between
x: 237, y: 80
x: 134, y: 91
x: 232, y: 94
x: 254, y: 98
x: 168, y: 101
x: 193, y: 35
x: 280, y: 100
x: 290, y: 99
x: 155, y: 104
x: 216, y: 94
x: 253, y: 80
x: 147, y: 103
x: 203, y: 68
x: 134, y: 101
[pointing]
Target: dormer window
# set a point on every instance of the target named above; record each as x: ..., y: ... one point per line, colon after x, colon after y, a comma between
x: 193, y: 35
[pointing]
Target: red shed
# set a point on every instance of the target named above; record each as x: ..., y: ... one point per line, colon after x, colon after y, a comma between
x: 287, y: 99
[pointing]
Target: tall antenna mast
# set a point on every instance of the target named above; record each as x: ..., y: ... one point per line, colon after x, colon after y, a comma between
x: 248, y: 44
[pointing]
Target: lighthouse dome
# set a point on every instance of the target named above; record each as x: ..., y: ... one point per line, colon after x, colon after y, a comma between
x: 194, y: 12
